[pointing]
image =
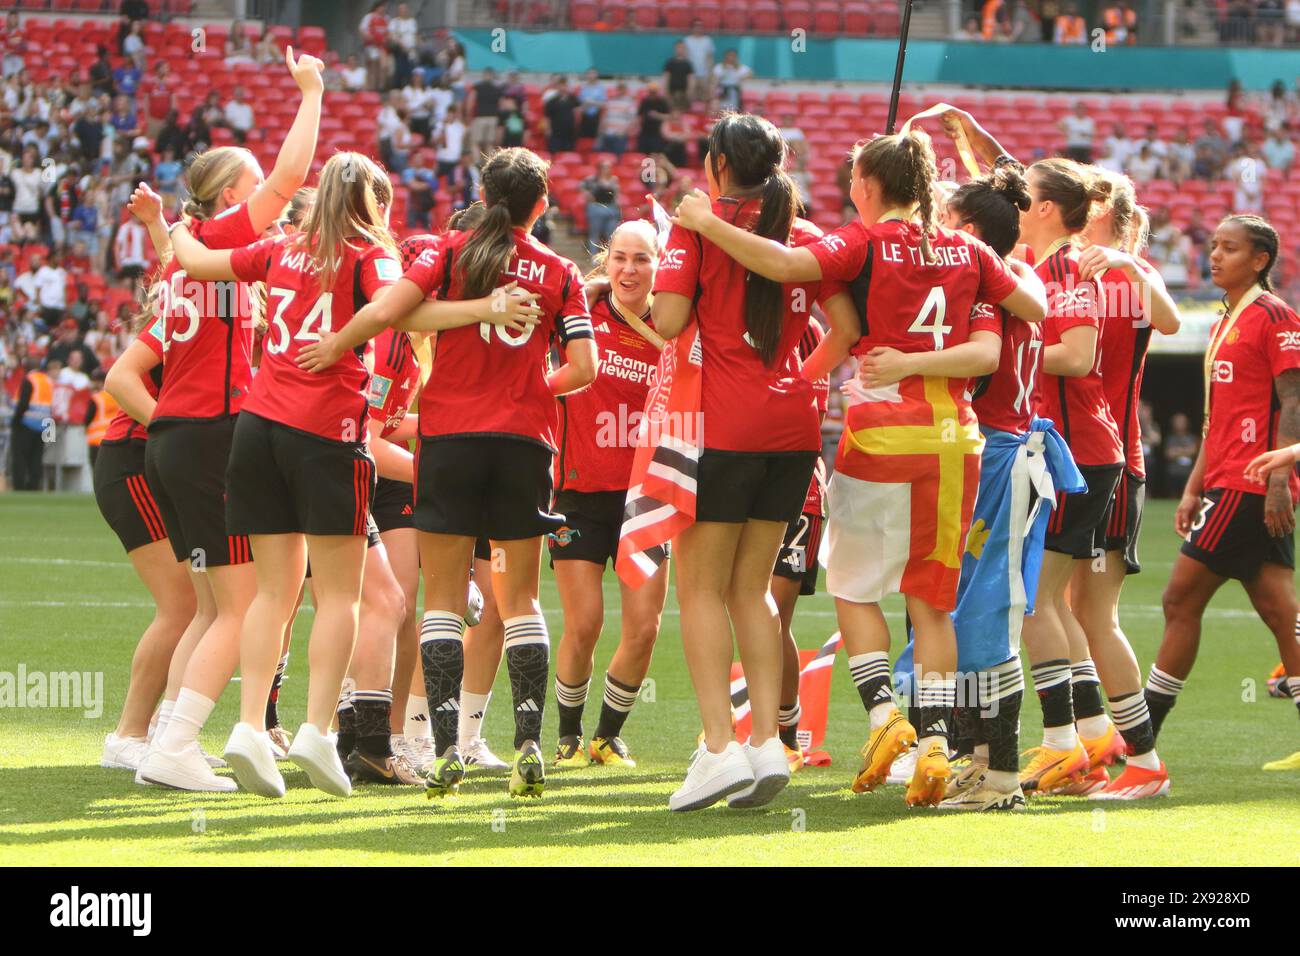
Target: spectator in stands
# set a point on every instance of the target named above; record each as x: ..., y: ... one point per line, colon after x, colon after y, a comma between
x: 616, y: 121
x: 167, y: 174
x: 1216, y: 145
x: 52, y: 290
x: 353, y: 75
x: 591, y: 102
x: 25, y: 282
x: 392, y: 130
x: 511, y: 126
x: 127, y: 77
x: 79, y: 309
x: 1071, y: 29
x: 700, y: 50
x: 728, y: 79
x: 1292, y: 21
x: 239, y: 114
x: 84, y: 219
x: 1119, y: 21
x: 133, y: 42
x: 1180, y: 448
x: 1180, y: 156
x: 29, y: 425
x: 675, y: 135
x: 1079, y: 130
x: 239, y: 48
x: 1198, y: 238
x: 268, y: 51
x: 463, y: 182
x: 417, y: 101
x: 514, y: 87
x: 403, y: 33
x: 602, y: 189
x: 1151, y: 138
x: 484, y: 108
x: 1169, y: 250
x: 29, y: 194
x: 123, y: 119
x: 1279, y: 151
x: 970, y: 31
x: 374, y: 37
x: 421, y: 179
x: 442, y: 98
x: 159, y: 93
x: 560, y: 124
x: 1246, y: 172
x: 652, y: 111
x: 450, y: 140
x: 172, y: 136
x: 678, y: 71
x: 1149, y: 431
x: 14, y: 46
x: 1270, y: 22
x: 1145, y: 166
x: 61, y: 203
x: 101, y: 72
x: 6, y: 201
x: 206, y: 116
x: 66, y: 344
x: 1234, y: 122
x: 455, y: 70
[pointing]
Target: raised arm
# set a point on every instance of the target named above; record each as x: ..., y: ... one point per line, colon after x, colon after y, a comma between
x: 1158, y: 307
x: 146, y: 205
x: 125, y: 381
x: 293, y: 162
x: 766, y: 257
x: 197, y: 259
x: 981, y: 140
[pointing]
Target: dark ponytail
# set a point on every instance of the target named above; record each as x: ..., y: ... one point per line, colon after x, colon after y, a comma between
x: 755, y: 154
x: 513, y: 180
x: 1264, y: 238
x: 993, y: 204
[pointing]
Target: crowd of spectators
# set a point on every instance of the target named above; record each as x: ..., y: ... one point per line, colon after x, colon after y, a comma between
x: 1050, y: 21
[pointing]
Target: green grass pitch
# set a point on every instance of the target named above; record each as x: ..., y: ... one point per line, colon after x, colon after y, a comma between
x: 70, y: 601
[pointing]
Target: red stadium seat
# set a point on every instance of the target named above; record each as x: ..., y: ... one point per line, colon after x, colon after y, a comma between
x: 645, y: 15
x: 857, y: 19
x: 709, y: 13
x: 765, y: 16
x: 826, y: 18
x: 735, y: 19
x: 584, y: 14
x: 677, y: 15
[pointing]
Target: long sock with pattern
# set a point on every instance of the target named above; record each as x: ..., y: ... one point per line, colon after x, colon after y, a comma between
x: 373, y: 710
x: 528, y: 659
x: 1161, y: 692
x: 615, y: 705
x: 346, y: 715
x: 571, y: 699
x: 1000, y: 715
x: 935, y: 699
x: 1133, y: 721
x: 442, y: 656
x: 870, y: 673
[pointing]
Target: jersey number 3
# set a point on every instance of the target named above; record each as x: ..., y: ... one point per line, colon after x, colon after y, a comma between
x: 318, y: 321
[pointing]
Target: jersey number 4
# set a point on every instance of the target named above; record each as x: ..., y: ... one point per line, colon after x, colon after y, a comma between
x: 929, y: 321
x: 318, y: 321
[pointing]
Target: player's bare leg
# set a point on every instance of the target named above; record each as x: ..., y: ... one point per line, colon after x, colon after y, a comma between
x: 583, y: 602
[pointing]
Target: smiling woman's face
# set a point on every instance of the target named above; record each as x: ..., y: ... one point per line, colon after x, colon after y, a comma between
x: 631, y: 267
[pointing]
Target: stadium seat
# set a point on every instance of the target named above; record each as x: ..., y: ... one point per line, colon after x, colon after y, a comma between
x: 645, y: 15
x: 584, y: 14
x: 857, y: 19
x: 827, y: 18
x: 765, y: 16
x: 709, y: 13
x: 677, y: 15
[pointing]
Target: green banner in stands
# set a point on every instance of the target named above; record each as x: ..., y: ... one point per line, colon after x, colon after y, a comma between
x: 928, y: 61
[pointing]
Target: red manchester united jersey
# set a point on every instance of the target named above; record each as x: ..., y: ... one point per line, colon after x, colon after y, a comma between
x: 123, y: 427
x: 395, y: 380
x: 333, y: 404
x: 1077, y: 406
x: 1245, y: 357
x: 207, y: 331
x: 598, y: 425
x: 1125, y: 335
x: 746, y: 405
x: 486, y: 379
x: 1004, y: 399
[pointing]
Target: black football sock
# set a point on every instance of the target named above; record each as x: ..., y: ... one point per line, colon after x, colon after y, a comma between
x: 372, y: 710
x: 528, y: 660
x: 787, y: 721
x: 273, y: 699
x: 1052, y: 684
x: 1162, y: 692
x: 1000, y: 716
x: 442, y: 656
x: 571, y: 699
x: 615, y: 705
x: 347, y: 719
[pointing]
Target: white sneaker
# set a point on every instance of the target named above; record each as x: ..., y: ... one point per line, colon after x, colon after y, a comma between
x: 419, y: 752
x: 771, y: 774
x: 253, y: 760
x: 476, y: 753
x: 281, y: 740
x: 901, y: 770
x: 185, y: 770
x: 983, y: 797
x: 123, y: 753
x: 216, y: 763
x: 710, y: 777
x: 318, y: 754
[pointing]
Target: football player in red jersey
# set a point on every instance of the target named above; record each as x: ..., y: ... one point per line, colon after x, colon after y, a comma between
x: 1135, y: 302
x: 1237, y: 515
x: 795, y: 573
x: 207, y: 347
x: 760, y: 439
x: 907, y: 467
x: 597, y: 442
x: 487, y: 440
x: 127, y: 504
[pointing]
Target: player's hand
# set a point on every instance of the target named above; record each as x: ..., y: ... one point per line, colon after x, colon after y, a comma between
x: 319, y: 356
x: 1279, y: 511
x: 1095, y: 260
x: 952, y: 120
x: 595, y: 287
x: 306, y: 71
x: 145, y: 204
x: 694, y: 211
x: 1262, y: 465
x: 513, y: 307
x: 1185, y: 514
x: 884, y: 366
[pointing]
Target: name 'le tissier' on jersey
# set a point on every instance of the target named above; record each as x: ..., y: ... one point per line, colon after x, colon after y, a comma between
x: 1245, y: 357
x: 490, y: 380
x: 909, y: 304
x: 746, y: 405
x: 207, y: 330
x: 123, y: 427
x: 598, y: 425
x: 1077, y: 405
x: 395, y: 380
x: 1122, y: 347
x: 1004, y: 399
x: 333, y: 404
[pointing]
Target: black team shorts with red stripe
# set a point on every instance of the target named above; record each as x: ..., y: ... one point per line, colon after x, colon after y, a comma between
x: 1125, y: 522
x: 123, y: 494
x: 281, y: 480
x: 185, y: 465
x: 1078, y: 525
x: 1229, y: 537
x: 797, y: 559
